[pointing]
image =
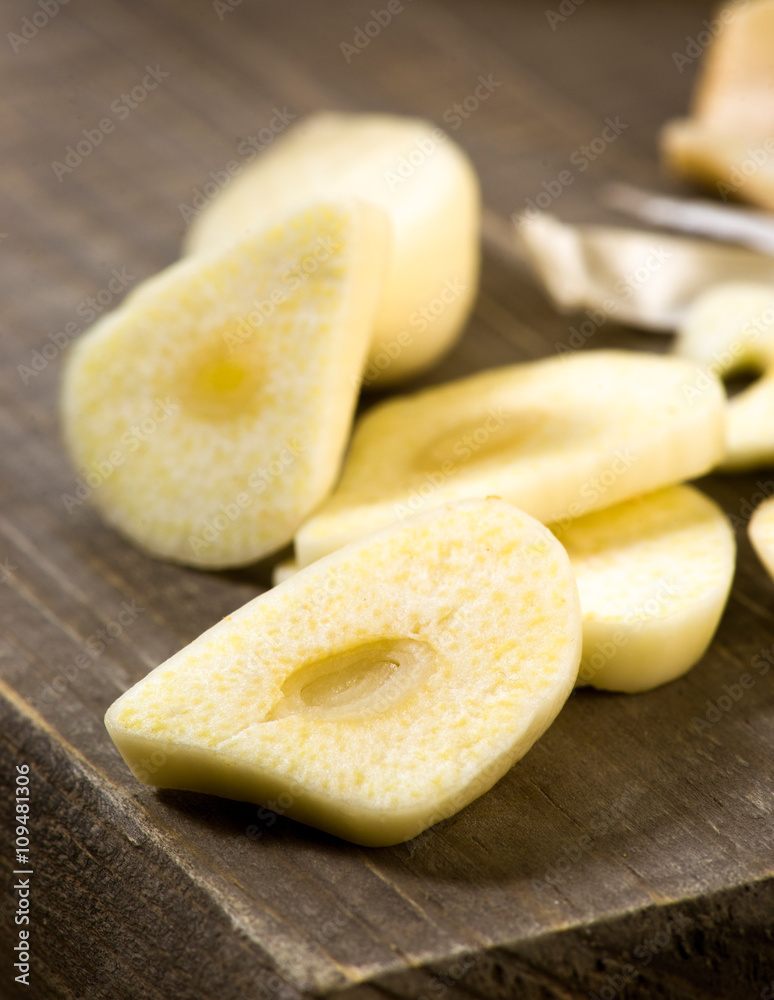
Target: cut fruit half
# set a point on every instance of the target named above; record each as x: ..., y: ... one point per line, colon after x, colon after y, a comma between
x: 761, y: 532
x: 378, y: 691
x: 558, y: 438
x: 208, y: 415
x: 728, y: 329
x: 410, y: 169
x: 653, y: 576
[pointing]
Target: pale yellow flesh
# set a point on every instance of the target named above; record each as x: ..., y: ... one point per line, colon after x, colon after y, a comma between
x: 761, y: 532
x: 283, y: 571
x: 653, y: 575
x: 255, y: 354
x: 751, y: 427
x: 412, y: 171
x: 558, y: 438
x: 727, y: 142
x: 730, y: 328
x: 733, y: 165
x: 380, y: 690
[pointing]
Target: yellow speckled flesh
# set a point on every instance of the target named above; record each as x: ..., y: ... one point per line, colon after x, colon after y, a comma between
x: 473, y: 604
x: 208, y: 414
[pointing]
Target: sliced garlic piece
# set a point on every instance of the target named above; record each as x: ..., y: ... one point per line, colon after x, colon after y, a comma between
x: 210, y: 412
x: 411, y: 170
x: 558, y: 438
x: 380, y: 690
x: 653, y: 575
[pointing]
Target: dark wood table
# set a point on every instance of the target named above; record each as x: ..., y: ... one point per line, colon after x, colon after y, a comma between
x: 627, y: 854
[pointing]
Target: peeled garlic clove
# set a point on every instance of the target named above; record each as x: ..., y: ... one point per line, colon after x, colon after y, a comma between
x: 212, y: 409
x: 411, y: 170
x: 761, y: 532
x: 727, y: 142
x: 558, y: 438
x: 380, y: 690
x: 653, y: 575
x: 728, y: 329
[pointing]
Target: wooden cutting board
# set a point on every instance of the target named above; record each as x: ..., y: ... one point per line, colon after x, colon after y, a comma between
x: 627, y: 854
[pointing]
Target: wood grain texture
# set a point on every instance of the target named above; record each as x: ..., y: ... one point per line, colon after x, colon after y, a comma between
x: 625, y: 852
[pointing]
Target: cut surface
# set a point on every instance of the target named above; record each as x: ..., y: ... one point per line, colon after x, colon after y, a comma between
x: 209, y: 413
x: 411, y: 170
x: 761, y: 532
x: 380, y: 690
x: 557, y: 438
x: 728, y: 329
x: 653, y: 576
